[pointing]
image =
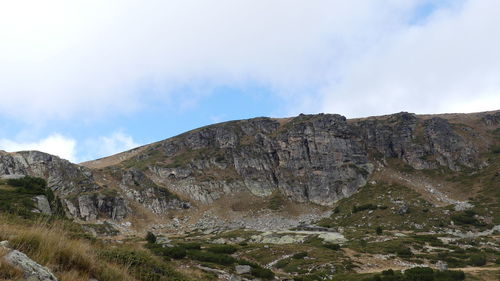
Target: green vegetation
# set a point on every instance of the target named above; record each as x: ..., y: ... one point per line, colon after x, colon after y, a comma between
x: 379, y: 205
x: 418, y: 274
x: 216, y: 258
x: 477, y: 260
x: 300, y: 255
x: 364, y: 207
x: 150, y: 238
x: 142, y: 265
x: 16, y: 196
x: 222, y: 249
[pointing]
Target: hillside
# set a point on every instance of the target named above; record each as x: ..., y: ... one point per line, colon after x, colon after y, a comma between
x: 314, y: 197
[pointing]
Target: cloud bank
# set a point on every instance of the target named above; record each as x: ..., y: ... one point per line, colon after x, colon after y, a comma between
x: 82, y: 59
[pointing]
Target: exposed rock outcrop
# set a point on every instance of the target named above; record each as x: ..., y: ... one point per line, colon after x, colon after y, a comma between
x: 32, y: 271
x: 310, y: 158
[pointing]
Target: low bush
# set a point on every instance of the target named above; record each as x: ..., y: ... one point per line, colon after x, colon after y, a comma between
x: 477, y: 260
x: 363, y: 207
x: 150, y: 237
x: 216, y: 258
x: 300, y: 255
x: 190, y: 246
x: 261, y: 272
x: 222, y: 249
x: 418, y: 274
x: 332, y: 246
x: 168, y: 253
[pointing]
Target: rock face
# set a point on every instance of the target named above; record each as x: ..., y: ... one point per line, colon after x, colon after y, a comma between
x: 80, y: 195
x: 316, y: 159
x: 310, y: 158
x: 32, y: 270
x: 422, y: 144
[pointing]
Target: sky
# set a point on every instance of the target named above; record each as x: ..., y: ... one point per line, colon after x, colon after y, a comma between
x: 84, y: 79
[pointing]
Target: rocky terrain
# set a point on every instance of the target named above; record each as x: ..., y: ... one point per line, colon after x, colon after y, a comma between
x: 394, y: 191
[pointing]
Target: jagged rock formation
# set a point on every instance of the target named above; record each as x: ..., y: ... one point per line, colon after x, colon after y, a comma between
x: 310, y: 158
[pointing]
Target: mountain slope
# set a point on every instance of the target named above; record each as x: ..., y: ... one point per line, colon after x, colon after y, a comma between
x: 309, y: 159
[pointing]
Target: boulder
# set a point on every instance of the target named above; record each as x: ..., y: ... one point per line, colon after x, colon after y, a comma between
x: 32, y: 270
x: 243, y: 269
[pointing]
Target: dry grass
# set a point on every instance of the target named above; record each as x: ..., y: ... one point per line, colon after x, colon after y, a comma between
x: 51, y: 246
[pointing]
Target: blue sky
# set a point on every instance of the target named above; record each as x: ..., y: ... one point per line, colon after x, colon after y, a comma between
x: 86, y: 79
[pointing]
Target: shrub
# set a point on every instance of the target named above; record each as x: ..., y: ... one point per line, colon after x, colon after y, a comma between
x: 176, y: 252
x: 419, y: 274
x: 261, y: 272
x: 363, y: 207
x: 332, y: 246
x: 282, y: 263
x: 150, y: 237
x: 404, y: 252
x: 477, y: 260
x: 300, y: 255
x: 217, y: 258
x: 190, y: 246
x: 449, y: 275
x: 378, y: 230
x: 223, y: 249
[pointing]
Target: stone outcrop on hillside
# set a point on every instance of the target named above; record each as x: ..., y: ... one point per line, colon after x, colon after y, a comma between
x: 74, y: 185
x: 31, y: 270
x: 310, y: 158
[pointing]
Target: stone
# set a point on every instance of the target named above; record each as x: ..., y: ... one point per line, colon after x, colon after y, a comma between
x: 403, y: 209
x: 441, y: 265
x: 234, y: 278
x: 243, y: 269
x: 42, y: 204
x: 32, y: 270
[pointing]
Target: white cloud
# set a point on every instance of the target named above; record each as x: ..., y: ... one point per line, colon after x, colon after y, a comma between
x: 448, y: 64
x: 70, y: 149
x: 82, y: 58
x: 61, y: 59
x: 54, y: 144
x: 107, y: 145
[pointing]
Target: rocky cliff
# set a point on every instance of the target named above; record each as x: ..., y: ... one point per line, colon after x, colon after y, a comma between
x: 315, y: 159
x: 309, y: 158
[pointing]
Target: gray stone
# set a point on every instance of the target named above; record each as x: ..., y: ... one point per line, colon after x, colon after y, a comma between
x: 441, y: 266
x: 243, y: 269
x: 32, y: 270
x: 42, y: 204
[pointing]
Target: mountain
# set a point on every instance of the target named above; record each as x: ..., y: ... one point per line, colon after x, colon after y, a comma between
x: 315, y: 159
x: 313, y: 197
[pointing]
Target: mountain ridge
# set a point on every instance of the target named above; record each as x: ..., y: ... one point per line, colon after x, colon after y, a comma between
x: 316, y: 159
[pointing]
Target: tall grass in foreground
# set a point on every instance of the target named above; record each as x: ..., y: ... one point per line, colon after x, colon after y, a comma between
x: 50, y: 244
